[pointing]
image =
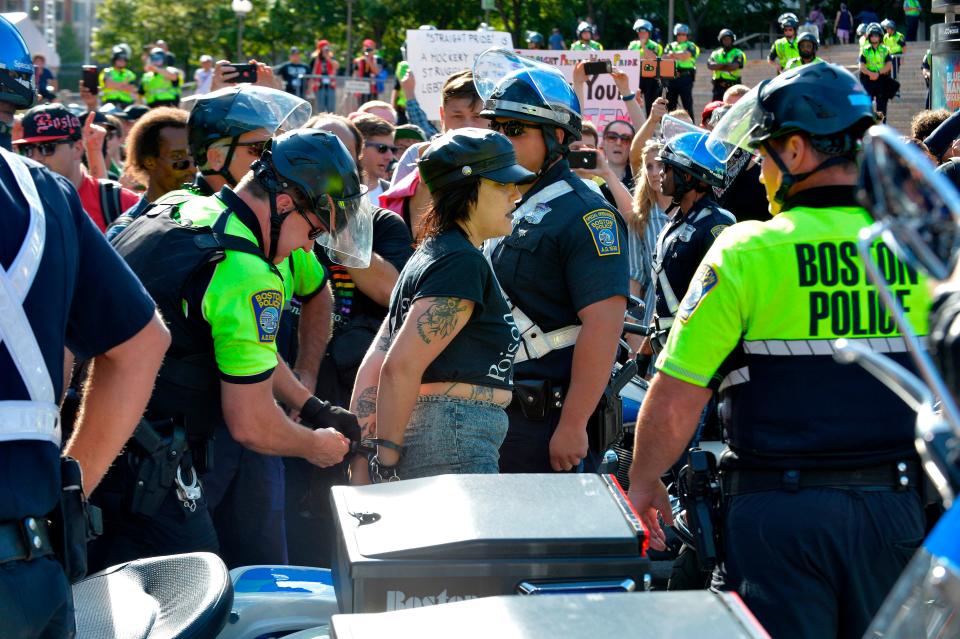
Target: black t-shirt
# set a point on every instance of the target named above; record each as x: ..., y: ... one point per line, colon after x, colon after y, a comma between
x: 392, y: 242
x: 83, y: 296
x: 449, y: 266
x: 291, y: 72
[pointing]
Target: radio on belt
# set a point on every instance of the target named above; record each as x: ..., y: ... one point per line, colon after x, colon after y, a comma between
x: 452, y: 538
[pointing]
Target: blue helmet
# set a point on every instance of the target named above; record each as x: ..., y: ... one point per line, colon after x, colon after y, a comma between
x: 681, y: 28
x: 17, y: 84
x: 535, y: 37
x: 688, y: 153
x: 643, y: 25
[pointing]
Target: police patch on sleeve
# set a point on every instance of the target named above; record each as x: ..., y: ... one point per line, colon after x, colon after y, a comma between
x: 702, y: 283
x: 717, y: 230
x: 603, y: 227
x: 266, y: 311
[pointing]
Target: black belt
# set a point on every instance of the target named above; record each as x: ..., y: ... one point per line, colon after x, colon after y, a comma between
x: 24, y: 539
x: 898, y: 475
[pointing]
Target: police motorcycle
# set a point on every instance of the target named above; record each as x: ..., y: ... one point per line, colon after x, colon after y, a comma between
x: 918, y: 215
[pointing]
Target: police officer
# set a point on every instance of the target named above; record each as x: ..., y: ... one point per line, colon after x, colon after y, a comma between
x: 895, y: 42
x: 821, y: 510
x: 726, y: 63
x: 688, y: 174
x: 685, y: 53
x: 564, y: 269
x: 876, y: 64
x: 61, y: 286
x: 117, y: 82
x: 585, y: 41
x: 160, y: 84
x: 649, y: 49
x: 225, y: 315
x: 785, y: 49
x: 807, y: 45
x: 862, y: 35
x: 535, y: 40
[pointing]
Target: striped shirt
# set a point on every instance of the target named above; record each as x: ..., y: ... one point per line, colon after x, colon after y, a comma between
x: 641, y: 258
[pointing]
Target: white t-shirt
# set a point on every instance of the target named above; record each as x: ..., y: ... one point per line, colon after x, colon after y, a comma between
x: 204, y: 79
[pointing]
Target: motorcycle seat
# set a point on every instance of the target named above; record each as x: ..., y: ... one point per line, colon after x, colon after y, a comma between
x: 176, y: 597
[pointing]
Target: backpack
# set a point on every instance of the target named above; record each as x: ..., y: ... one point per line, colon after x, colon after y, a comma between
x: 110, y: 204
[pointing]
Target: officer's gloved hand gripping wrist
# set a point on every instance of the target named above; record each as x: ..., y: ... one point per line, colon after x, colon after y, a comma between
x: 316, y: 413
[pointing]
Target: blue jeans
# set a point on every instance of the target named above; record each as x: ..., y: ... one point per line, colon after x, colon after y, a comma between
x: 450, y: 435
x: 326, y: 100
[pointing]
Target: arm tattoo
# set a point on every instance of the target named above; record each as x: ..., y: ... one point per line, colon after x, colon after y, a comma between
x: 482, y: 393
x: 367, y: 403
x: 383, y: 344
x: 440, y: 318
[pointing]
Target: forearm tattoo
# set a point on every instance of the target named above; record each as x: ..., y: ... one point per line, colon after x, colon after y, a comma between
x: 440, y: 318
x: 383, y: 344
x: 366, y: 403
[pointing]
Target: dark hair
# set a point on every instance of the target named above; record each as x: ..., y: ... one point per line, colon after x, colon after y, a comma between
x: 372, y: 125
x: 925, y: 122
x: 143, y: 141
x: 449, y: 205
x: 460, y: 85
x: 317, y: 122
x: 633, y: 131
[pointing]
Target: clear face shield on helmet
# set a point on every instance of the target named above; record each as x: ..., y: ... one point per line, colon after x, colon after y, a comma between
x: 259, y: 107
x: 671, y: 128
x: 743, y: 126
x: 348, y: 239
x: 496, y: 65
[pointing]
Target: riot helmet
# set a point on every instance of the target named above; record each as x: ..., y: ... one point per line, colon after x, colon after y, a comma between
x: 643, y: 25
x: 584, y: 27
x: 117, y: 53
x: 874, y: 29
x: 681, y: 29
x: 726, y: 33
x: 888, y: 24
x: 861, y: 30
x: 232, y: 111
x: 317, y: 171
x: 512, y: 86
x: 811, y: 39
x: 686, y: 152
x: 17, y: 85
x: 823, y: 101
x: 788, y: 21
x: 533, y: 37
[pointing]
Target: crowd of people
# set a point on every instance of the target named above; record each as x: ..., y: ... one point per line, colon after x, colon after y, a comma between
x: 253, y: 299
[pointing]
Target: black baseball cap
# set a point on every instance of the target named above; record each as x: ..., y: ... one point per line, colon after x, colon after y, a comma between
x: 49, y: 122
x: 134, y: 112
x: 466, y: 152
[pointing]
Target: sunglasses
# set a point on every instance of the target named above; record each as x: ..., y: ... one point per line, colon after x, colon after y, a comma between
x: 315, y: 231
x: 182, y: 164
x: 512, y: 128
x: 256, y: 147
x: 381, y: 148
x: 626, y: 138
x: 46, y: 149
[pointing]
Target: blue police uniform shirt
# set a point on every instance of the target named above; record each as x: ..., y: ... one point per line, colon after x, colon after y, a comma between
x: 568, y: 254
x: 682, y: 244
x: 83, y: 297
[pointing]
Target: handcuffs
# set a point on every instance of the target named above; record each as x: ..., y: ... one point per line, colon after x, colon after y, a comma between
x: 379, y: 472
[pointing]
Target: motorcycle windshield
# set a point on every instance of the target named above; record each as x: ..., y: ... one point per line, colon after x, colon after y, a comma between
x: 920, y: 207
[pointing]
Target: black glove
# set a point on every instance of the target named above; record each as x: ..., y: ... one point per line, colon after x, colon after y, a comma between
x: 319, y: 414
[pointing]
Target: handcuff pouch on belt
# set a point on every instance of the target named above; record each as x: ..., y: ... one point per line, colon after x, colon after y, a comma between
x: 537, y: 397
x: 74, y: 522
x: 701, y: 496
x: 163, y: 464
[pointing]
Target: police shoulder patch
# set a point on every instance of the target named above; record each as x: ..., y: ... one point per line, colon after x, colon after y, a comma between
x: 603, y: 227
x: 701, y: 284
x: 718, y: 229
x: 267, y: 305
